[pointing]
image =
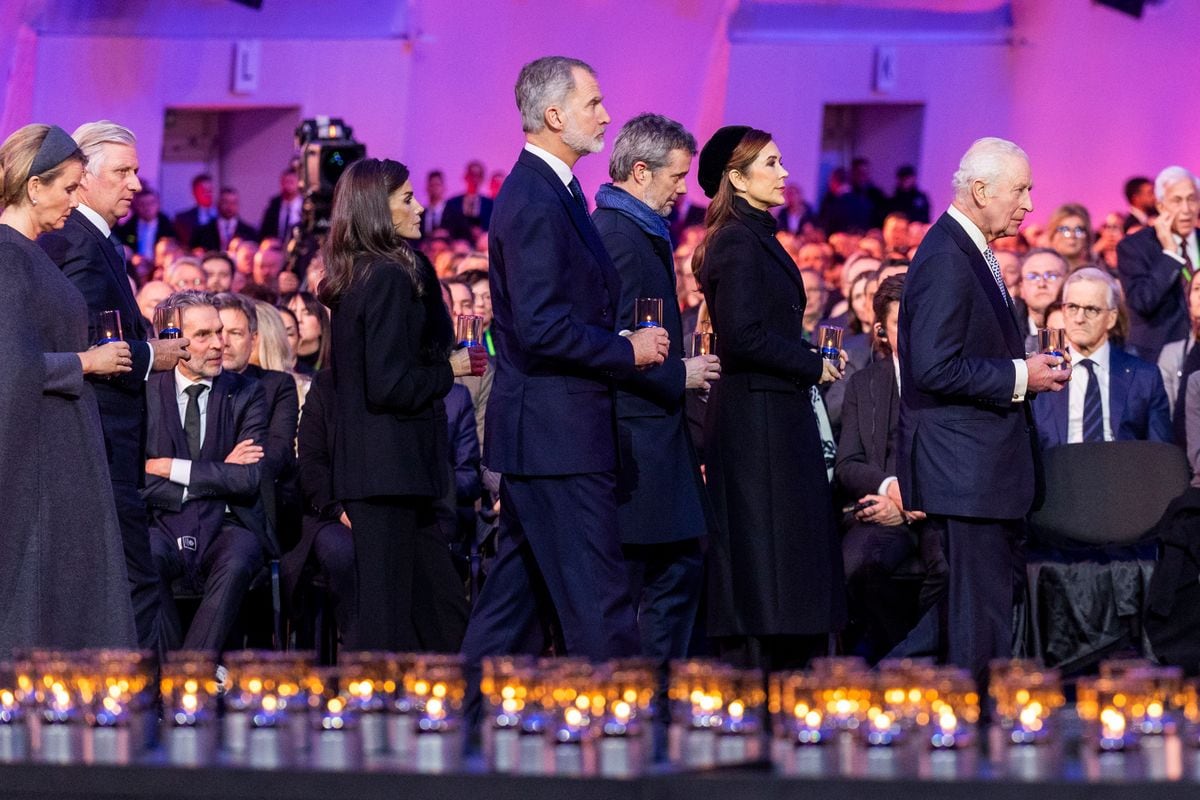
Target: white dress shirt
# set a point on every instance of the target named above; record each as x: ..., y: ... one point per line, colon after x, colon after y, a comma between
x: 1021, y: 384
x: 1193, y: 249
x: 890, y: 479
x: 181, y: 468
x: 557, y: 164
x: 1077, y: 387
x: 289, y: 214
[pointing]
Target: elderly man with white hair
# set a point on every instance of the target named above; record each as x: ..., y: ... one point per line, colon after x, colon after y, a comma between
x: 966, y: 451
x: 1156, y: 265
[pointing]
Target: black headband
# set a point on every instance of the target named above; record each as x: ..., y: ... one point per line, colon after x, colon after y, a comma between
x: 56, y: 148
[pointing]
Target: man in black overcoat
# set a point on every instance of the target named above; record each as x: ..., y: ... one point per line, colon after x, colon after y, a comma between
x: 661, y: 513
x: 91, y: 255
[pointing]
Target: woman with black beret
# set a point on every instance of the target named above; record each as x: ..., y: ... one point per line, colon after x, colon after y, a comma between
x: 775, y: 566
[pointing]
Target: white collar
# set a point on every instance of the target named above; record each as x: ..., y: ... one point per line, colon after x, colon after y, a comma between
x: 96, y: 220
x: 970, y: 227
x: 1100, y: 357
x: 557, y: 164
x: 182, y: 382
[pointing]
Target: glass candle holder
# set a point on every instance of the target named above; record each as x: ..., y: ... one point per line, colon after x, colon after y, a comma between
x: 439, y: 713
x: 369, y: 685
x: 829, y: 341
x: 696, y: 706
x: 14, y: 727
x: 507, y: 688
x: 1108, y: 708
x: 1162, y: 709
x: 336, y: 739
x: 647, y: 312
x: 117, y: 696
x: 742, y: 723
x: 625, y: 746
x: 575, y: 698
x: 56, y: 677
x: 1053, y: 342
x: 704, y: 343
x: 1025, y: 699
x: 468, y: 329
x: 953, y: 716
x: 189, y: 692
x: 108, y: 327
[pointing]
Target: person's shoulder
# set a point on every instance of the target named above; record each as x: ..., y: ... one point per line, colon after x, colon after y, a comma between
x: 1145, y: 239
x: 1119, y: 359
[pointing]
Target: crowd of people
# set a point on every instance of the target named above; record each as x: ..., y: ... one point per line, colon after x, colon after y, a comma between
x: 707, y: 483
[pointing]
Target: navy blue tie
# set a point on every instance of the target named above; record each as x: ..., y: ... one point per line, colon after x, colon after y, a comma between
x: 1093, y: 410
x: 577, y: 192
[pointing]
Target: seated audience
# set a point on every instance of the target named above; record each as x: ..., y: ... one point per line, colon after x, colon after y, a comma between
x: 285, y: 210
x: 199, y: 215
x: 219, y: 268
x: 312, y: 325
x: 1179, y: 359
x: 274, y: 351
x: 1070, y: 231
x: 469, y: 213
x: 1112, y: 395
x: 185, y: 274
x: 1143, y: 204
x: 150, y: 295
x: 143, y: 230
x: 1010, y: 269
x: 205, y: 433
x: 1108, y: 239
x: 1042, y: 273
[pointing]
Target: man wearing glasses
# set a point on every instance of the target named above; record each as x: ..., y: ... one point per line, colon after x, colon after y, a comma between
x: 1112, y: 395
x: 1156, y: 264
x: 1042, y: 274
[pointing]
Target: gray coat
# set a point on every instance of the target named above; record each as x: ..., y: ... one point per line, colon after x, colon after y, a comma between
x: 62, y: 567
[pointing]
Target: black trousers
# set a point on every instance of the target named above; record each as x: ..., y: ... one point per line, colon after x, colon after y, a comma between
x: 972, y: 623
x: 333, y: 548
x: 879, y: 617
x: 410, y: 597
x: 221, y: 571
x: 665, y: 582
x: 139, y: 562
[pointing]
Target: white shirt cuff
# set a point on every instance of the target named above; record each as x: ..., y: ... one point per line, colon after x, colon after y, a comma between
x: 1022, y: 382
x: 883, y: 487
x: 150, y: 364
x: 181, y: 473
x: 1175, y: 255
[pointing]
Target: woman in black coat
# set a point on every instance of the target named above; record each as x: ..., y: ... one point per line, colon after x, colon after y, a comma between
x: 775, y: 566
x: 392, y: 365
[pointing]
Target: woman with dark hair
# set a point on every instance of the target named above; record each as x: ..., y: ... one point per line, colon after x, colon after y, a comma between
x: 775, y: 564
x: 392, y: 365
x: 312, y: 324
x: 63, y: 582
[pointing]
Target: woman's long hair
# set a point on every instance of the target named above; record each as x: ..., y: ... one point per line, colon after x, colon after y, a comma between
x: 720, y: 210
x: 361, y: 225
x: 317, y: 309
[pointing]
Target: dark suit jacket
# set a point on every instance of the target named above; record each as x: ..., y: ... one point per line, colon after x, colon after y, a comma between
x: 127, y: 232
x: 806, y: 216
x: 186, y: 223
x: 658, y: 484
x: 965, y: 448
x: 279, y: 450
x: 91, y: 262
x: 458, y: 224
x: 270, y: 221
x: 390, y: 383
x: 1137, y: 404
x: 866, y: 450
x: 464, y: 487
x: 554, y: 296
x: 209, y: 238
x: 236, y: 411
x: 1154, y: 293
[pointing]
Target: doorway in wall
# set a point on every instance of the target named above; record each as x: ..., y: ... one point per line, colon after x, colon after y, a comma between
x: 887, y: 134
x: 246, y: 148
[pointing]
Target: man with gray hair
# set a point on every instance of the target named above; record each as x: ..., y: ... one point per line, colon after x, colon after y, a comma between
x: 550, y: 427
x: 1114, y: 396
x: 92, y: 256
x: 660, y: 493
x: 1156, y: 265
x: 965, y: 445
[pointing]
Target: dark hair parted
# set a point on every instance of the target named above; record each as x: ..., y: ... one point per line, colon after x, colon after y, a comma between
x: 361, y: 232
x: 720, y: 210
x: 888, y: 292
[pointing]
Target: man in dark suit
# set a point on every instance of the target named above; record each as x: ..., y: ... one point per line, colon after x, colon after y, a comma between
x: 199, y: 215
x: 240, y: 322
x: 468, y: 214
x: 205, y: 436
x: 550, y: 425
x: 147, y: 226
x: 89, y: 254
x: 966, y: 448
x: 1143, y: 205
x: 908, y: 198
x: 661, y: 513
x: 1114, y: 396
x: 227, y: 225
x: 1156, y: 264
x: 284, y: 210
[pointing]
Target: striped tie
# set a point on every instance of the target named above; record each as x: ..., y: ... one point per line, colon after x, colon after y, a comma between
x: 1093, y: 411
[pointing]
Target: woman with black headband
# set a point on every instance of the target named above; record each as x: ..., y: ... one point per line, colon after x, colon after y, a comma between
x: 775, y: 564
x: 63, y: 583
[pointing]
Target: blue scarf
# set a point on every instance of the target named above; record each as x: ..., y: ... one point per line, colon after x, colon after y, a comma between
x: 620, y: 200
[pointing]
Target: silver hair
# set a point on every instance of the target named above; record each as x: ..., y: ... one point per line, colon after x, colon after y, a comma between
x: 1046, y: 251
x: 92, y: 136
x: 238, y: 302
x: 188, y: 298
x: 545, y: 83
x: 1096, y: 275
x: 649, y: 138
x: 1172, y: 174
x: 984, y: 160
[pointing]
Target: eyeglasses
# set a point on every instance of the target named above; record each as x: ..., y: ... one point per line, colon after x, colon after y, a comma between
x: 1089, y: 312
x: 1076, y: 232
x: 1048, y: 277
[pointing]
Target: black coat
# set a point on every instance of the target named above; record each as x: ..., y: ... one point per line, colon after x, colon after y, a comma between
x: 390, y: 372
x: 659, y: 491
x: 866, y: 450
x: 775, y: 562
x: 1153, y: 292
x: 91, y: 262
x: 461, y: 226
x: 128, y: 231
x: 207, y: 237
x: 279, y: 450
x: 270, y: 220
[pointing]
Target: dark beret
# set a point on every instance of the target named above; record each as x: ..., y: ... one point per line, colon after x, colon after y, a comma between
x: 715, y: 155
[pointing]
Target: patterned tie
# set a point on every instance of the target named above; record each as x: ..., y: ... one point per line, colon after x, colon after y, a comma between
x: 1093, y: 411
x: 119, y: 246
x: 191, y: 419
x: 577, y: 193
x: 994, y: 266
x: 1185, y: 274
